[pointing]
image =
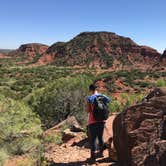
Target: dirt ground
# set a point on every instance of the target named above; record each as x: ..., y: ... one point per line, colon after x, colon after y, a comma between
x: 75, y: 153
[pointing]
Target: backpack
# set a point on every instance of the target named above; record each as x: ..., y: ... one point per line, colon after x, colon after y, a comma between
x: 101, y: 108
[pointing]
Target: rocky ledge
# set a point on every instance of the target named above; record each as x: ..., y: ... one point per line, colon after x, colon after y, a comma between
x: 139, y: 132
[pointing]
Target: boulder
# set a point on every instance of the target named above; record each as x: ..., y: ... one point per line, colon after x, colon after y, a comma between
x: 108, y: 133
x: 67, y: 135
x: 69, y: 123
x: 139, y: 132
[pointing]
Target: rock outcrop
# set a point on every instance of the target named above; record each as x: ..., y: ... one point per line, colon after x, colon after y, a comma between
x: 139, y: 132
x: 163, y: 57
x: 2, y: 56
x: 98, y: 49
x: 29, y: 50
x: 70, y: 122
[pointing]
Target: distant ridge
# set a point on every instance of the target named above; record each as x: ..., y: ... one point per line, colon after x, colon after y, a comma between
x: 90, y: 49
x: 5, y: 51
x: 98, y: 49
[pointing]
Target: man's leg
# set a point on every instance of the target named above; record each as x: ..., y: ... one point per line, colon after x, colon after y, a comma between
x: 100, y: 137
x: 93, y: 136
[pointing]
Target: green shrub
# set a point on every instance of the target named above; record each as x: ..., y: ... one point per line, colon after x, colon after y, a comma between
x: 130, y: 99
x: 63, y: 97
x: 115, y: 106
x: 3, y: 156
x: 161, y: 82
x: 24, y: 145
x: 50, y: 138
x: 27, y: 161
x: 20, y: 127
x: 58, y: 138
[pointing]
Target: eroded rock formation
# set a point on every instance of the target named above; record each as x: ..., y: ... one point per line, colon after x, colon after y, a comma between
x: 2, y: 55
x: 163, y: 57
x: 29, y: 50
x: 139, y: 132
x: 98, y: 49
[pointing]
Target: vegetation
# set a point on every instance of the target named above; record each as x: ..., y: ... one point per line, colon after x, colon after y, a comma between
x: 161, y: 82
x: 3, y: 156
x: 61, y: 98
x: 18, y: 82
x: 20, y: 129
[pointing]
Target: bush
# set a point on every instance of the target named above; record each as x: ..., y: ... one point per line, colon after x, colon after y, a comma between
x: 23, y: 145
x: 20, y: 127
x: 3, y: 157
x: 161, y: 83
x: 50, y: 138
x: 26, y: 162
x: 115, y: 106
x: 130, y: 99
x: 59, y: 99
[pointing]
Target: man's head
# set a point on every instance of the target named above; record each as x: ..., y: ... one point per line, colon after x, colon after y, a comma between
x: 92, y: 87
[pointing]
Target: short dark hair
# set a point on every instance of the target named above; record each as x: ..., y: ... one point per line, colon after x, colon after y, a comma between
x: 92, y: 87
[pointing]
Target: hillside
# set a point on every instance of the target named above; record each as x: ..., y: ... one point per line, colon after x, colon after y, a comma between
x: 98, y: 49
x: 90, y: 49
x: 4, y: 52
x: 2, y: 55
x: 29, y: 51
x: 163, y: 56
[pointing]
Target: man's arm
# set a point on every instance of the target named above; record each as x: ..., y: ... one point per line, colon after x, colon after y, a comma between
x: 87, y: 105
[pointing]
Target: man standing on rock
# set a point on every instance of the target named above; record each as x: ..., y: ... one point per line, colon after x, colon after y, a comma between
x: 95, y: 126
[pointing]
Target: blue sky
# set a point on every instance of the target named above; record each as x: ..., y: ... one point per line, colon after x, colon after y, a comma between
x: 49, y: 21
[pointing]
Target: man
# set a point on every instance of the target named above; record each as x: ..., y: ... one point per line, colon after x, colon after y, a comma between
x: 95, y: 128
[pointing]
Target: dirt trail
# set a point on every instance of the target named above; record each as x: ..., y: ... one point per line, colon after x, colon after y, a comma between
x: 75, y: 153
x: 75, y: 156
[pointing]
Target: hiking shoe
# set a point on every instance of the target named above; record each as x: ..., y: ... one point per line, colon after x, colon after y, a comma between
x: 100, y: 154
x: 91, y: 160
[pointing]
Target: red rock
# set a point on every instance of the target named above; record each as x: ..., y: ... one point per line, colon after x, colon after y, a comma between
x: 163, y: 57
x: 29, y: 50
x: 2, y: 56
x: 139, y: 132
x: 164, y: 54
